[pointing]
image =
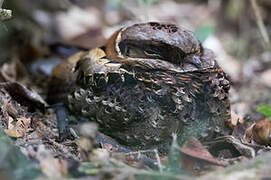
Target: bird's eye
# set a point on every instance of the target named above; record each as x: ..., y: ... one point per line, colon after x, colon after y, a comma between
x: 152, y: 53
x: 127, y: 50
x: 141, y: 50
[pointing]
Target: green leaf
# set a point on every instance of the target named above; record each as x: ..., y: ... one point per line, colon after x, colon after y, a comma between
x: 265, y: 110
x: 203, y: 32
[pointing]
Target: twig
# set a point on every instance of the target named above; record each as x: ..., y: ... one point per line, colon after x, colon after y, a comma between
x: 260, y: 23
x: 158, y: 161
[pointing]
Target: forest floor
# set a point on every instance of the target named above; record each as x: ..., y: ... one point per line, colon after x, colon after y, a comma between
x: 40, y: 35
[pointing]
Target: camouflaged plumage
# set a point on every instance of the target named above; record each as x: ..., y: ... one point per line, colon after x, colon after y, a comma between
x: 149, y: 81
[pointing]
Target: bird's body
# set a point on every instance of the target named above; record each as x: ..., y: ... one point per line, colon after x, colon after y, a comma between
x: 141, y: 88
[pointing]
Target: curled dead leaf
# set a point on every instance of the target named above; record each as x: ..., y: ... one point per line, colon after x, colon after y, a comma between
x: 8, y: 73
x: 23, y: 95
x: 197, y: 159
x: 20, y: 127
x: 248, y: 134
x: 261, y: 132
x: 14, y: 71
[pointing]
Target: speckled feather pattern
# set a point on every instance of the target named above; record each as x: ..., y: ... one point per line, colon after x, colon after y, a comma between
x: 143, y: 108
x: 148, y: 82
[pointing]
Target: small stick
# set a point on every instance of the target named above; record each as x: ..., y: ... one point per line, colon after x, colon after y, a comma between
x: 158, y: 160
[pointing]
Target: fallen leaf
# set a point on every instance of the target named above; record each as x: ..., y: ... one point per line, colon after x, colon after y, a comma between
x: 77, y: 21
x: 8, y: 72
x: 196, y: 159
x: 248, y: 134
x: 235, y: 120
x: 20, y: 127
x: 90, y: 39
x: 195, y: 149
x: 24, y: 96
x: 13, y: 71
x: 261, y: 132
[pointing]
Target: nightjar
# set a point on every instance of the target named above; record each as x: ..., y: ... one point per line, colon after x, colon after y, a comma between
x: 150, y: 81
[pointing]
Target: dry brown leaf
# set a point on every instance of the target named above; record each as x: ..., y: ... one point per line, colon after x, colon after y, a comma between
x: 14, y: 71
x: 196, y: 158
x: 19, y: 129
x: 24, y: 96
x: 248, y: 134
x: 8, y: 72
x: 77, y: 21
x: 195, y: 149
x: 235, y: 120
x: 261, y: 132
x: 90, y: 39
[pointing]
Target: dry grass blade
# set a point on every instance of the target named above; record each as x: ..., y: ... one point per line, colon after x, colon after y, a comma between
x: 1, y: 3
x: 260, y: 23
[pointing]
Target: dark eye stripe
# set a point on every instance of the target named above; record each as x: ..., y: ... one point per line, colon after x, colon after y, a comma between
x: 154, y: 50
x: 152, y: 53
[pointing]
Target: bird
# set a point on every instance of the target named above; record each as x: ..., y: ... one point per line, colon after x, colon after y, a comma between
x: 148, y: 82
